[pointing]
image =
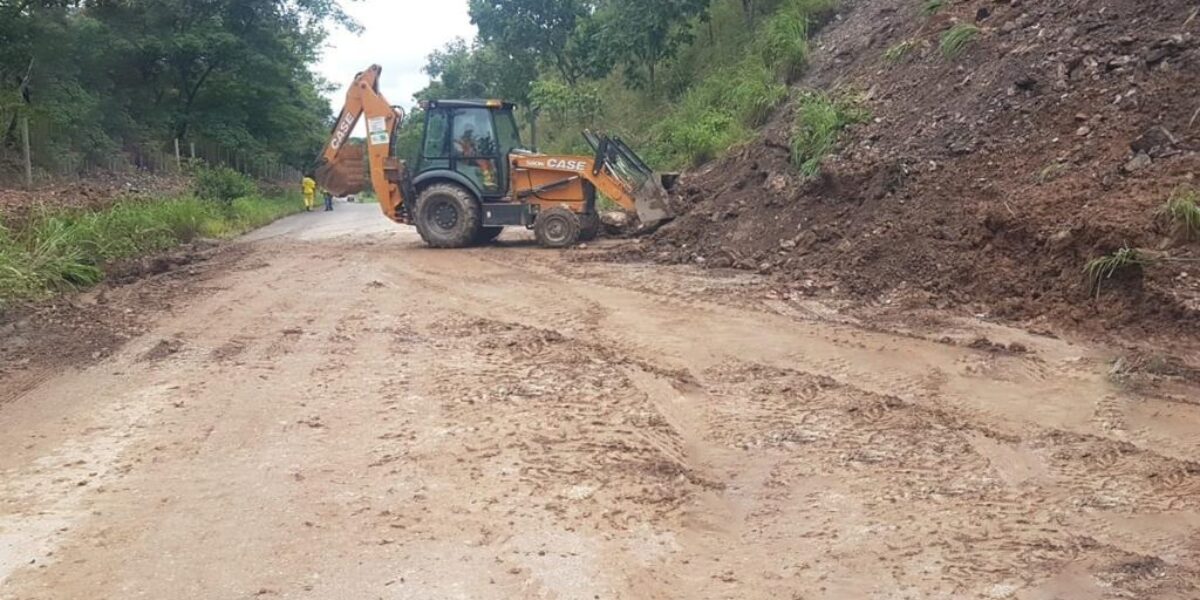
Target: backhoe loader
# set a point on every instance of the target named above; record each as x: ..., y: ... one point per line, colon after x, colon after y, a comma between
x: 473, y: 178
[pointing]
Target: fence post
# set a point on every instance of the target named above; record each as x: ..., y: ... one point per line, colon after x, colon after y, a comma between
x: 178, y: 159
x: 25, y: 148
x: 193, y: 145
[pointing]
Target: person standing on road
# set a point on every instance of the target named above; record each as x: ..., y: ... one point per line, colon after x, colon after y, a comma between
x: 328, y: 201
x: 309, y: 186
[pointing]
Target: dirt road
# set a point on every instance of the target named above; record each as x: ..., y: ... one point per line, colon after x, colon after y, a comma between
x: 341, y: 413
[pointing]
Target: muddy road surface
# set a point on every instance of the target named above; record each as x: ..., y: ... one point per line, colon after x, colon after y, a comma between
x: 340, y: 413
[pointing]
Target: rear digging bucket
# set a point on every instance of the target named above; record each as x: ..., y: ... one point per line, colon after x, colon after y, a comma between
x: 347, y: 175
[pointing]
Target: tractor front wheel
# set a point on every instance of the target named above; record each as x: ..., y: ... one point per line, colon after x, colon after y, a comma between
x: 558, y: 228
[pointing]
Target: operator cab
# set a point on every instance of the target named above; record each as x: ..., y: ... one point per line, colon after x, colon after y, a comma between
x: 471, y: 139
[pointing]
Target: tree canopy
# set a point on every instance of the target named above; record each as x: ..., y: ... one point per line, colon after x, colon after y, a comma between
x: 111, y: 74
x: 573, y: 41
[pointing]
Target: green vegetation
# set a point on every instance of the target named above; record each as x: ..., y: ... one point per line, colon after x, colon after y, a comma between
x: 901, y: 50
x: 820, y: 119
x: 932, y: 7
x: 784, y: 43
x: 100, y: 78
x: 1098, y: 270
x: 68, y: 250
x: 1183, y: 213
x: 719, y: 112
x: 956, y: 39
x: 221, y: 184
x: 723, y: 108
x: 681, y: 80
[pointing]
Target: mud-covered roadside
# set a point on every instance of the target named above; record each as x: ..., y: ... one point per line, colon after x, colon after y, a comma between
x: 75, y: 330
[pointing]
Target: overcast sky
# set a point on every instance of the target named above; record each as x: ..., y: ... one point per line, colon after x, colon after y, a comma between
x: 399, y: 35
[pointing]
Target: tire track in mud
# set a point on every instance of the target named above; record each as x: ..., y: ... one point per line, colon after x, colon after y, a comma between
x: 980, y: 385
x: 902, y: 460
x: 934, y: 458
x: 739, y: 434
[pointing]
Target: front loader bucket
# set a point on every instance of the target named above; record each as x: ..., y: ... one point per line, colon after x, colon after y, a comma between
x: 652, y: 200
x: 650, y: 190
x: 347, y: 175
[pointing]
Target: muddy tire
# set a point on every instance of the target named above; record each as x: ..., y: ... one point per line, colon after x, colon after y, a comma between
x: 448, y: 216
x: 589, y: 227
x: 488, y: 235
x: 558, y: 228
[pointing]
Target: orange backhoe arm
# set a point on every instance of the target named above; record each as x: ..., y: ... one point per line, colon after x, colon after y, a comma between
x: 341, y: 168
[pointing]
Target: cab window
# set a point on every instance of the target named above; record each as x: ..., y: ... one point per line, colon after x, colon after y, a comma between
x: 473, y: 135
x: 473, y: 144
x: 507, y: 133
x: 436, y: 125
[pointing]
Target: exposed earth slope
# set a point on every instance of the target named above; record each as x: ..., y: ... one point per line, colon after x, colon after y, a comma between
x: 984, y: 181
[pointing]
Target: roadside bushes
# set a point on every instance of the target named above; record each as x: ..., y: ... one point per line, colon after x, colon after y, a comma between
x: 221, y: 184
x: 60, y: 251
x: 726, y: 106
x: 718, y: 112
x: 693, y: 139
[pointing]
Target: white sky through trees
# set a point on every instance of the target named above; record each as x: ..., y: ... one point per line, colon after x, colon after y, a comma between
x: 399, y: 35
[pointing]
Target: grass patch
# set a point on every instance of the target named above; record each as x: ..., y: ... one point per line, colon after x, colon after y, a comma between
x: 1182, y: 212
x: 900, y: 51
x: 820, y: 119
x: 784, y: 44
x: 783, y: 41
x: 932, y: 7
x: 956, y: 39
x: 1099, y: 270
x: 61, y: 251
x: 1051, y: 172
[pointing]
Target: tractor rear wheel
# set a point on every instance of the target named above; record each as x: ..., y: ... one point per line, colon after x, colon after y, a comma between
x: 448, y: 216
x: 557, y: 228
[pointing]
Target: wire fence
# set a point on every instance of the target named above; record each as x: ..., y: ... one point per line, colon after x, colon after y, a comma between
x: 41, y: 156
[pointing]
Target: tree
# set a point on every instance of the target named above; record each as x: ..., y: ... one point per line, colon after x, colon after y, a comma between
x: 23, y: 25
x: 645, y: 33
x: 748, y: 11
x: 180, y: 48
x: 124, y: 73
x: 539, y: 29
x: 462, y: 70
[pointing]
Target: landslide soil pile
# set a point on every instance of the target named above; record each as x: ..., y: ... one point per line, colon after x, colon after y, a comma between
x: 984, y: 181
